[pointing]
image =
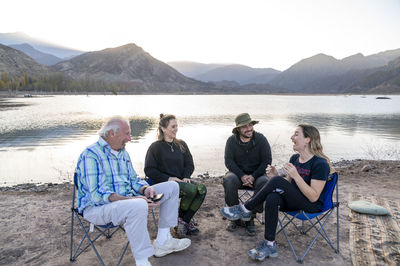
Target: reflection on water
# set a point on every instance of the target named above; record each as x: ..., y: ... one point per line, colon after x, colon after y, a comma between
x: 140, y: 126
x: 41, y: 138
x: 4, y: 104
x: 54, y: 135
x: 387, y: 126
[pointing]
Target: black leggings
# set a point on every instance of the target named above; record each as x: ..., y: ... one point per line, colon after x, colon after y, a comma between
x: 279, y: 194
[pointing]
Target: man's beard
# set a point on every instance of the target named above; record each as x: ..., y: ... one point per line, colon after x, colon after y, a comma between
x: 245, y: 136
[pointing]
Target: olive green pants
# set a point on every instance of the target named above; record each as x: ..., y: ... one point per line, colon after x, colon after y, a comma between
x: 192, y: 196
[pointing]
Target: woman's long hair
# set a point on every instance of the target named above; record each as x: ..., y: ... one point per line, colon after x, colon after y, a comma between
x: 164, y: 122
x: 315, y: 143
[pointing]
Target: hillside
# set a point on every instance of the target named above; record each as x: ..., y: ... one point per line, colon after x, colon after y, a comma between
x: 384, y: 80
x: 131, y: 66
x: 16, y: 63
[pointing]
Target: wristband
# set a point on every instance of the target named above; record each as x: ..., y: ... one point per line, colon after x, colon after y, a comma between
x: 145, y: 187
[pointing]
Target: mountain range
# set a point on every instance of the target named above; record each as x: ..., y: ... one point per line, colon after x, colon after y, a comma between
x: 16, y: 63
x: 42, y: 46
x: 38, y: 56
x: 131, y: 65
x: 138, y: 71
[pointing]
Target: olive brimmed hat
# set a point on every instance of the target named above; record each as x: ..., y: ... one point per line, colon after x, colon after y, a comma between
x: 242, y: 120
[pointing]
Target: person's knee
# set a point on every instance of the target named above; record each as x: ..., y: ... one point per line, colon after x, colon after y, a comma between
x: 231, y: 182
x: 277, y: 181
x: 175, y: 187
x: 190, y: 191
x: 201, y: 189
x: 170, y: 188
x: 260, y: 182
x: 135, y: 207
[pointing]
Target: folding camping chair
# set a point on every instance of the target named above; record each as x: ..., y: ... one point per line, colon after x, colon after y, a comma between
x: 107, y: 230
x: 316, y: 220
x: 247, y: 193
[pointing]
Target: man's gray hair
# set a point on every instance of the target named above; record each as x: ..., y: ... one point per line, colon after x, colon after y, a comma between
x: 114, y: 124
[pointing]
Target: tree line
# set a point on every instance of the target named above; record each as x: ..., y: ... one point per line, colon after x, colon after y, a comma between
x: 58, y: 82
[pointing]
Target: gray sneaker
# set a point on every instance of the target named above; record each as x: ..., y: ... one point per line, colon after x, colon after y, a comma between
x: 235, y: 213
x: 263, y: 250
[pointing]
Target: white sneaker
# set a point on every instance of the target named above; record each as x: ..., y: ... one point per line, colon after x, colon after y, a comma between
x: 143, y: 263
x: 171, y: 245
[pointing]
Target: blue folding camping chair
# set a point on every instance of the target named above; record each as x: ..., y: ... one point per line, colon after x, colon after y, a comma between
x: 318, y: 221
x: 107, y: 230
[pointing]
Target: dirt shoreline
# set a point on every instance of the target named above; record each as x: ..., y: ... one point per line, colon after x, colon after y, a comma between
x: 36, y: 224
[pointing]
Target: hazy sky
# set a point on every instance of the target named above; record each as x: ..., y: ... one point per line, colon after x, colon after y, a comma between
x: 257, y: 33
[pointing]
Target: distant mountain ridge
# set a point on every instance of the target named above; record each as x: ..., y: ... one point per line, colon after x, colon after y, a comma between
x: 41, y: 58
x: 325, y: 74
x: 45, y: 47
x: 193, y: 69
x: 239, y: 73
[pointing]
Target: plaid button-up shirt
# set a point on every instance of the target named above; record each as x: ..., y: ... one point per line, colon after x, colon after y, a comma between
x: 101, y: 173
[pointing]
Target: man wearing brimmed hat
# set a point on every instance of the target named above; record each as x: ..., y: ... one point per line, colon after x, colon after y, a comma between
x: 247, y: 154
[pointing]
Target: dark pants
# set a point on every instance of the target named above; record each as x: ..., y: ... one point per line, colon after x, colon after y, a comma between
x: 279, y: 194
x: 231, y: 185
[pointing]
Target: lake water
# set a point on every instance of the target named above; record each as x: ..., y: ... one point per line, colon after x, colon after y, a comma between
x: 41, y: 138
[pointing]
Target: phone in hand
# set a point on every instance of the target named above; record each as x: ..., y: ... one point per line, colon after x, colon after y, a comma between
x: 158, y: 197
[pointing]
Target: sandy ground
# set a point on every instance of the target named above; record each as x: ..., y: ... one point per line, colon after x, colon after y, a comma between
x: 35, y: 222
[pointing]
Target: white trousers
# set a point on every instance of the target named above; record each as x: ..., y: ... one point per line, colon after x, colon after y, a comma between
x: 132, y: 214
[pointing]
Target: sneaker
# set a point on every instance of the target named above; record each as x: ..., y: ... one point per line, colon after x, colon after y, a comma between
x: 235, y: 213
x: 194, y: 222
x: 171, y: 245
x: 192, y: 229
x: 263, y: 250
x: 251, y: 228
x: 234, y: 225
x: 182, y: 228
x: 143, y: 263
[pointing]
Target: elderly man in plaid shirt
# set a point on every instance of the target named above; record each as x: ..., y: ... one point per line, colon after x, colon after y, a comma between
x: 109, y: 190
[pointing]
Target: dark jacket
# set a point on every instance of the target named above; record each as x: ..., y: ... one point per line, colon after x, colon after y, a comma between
x: 249, y: 158
x: 162, y: 162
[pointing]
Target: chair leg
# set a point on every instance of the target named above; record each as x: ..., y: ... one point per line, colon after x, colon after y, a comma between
x: 123, y: 253
x: 154, y: 220
x: 288, y: 240
x: 91, y: 243
x: 337, y: 229
x: 72, y: 236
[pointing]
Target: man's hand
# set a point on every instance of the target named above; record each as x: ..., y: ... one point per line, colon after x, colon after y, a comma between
x: 150, y: 193
x: 247, y: 180
x: 116, y: 197
x: 186, y: 180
